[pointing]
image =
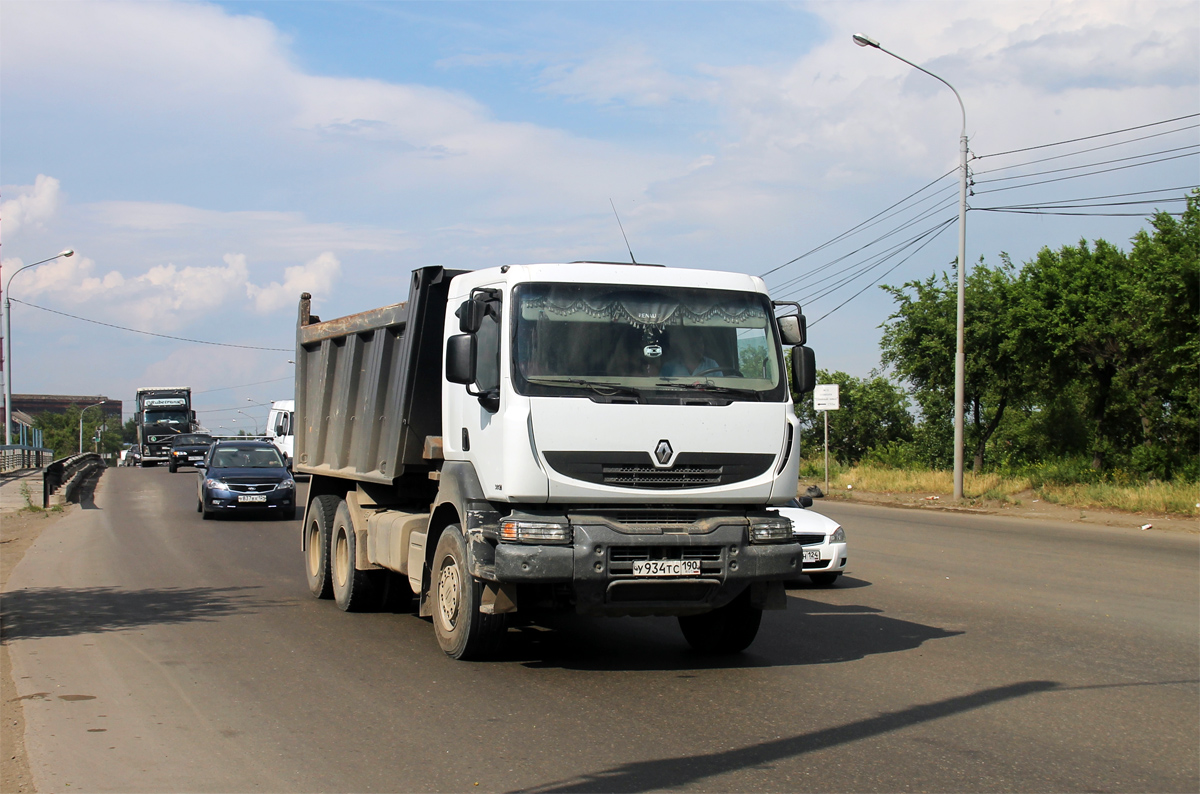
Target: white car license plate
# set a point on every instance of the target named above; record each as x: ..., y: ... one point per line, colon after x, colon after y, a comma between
x: 666, y: 567
x: 252, y: 497
x: 812, y: 555
x: 195, y: 457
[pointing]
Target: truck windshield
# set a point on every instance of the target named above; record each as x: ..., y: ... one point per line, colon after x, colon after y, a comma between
x: 656, y: 342
x: 166, y: 417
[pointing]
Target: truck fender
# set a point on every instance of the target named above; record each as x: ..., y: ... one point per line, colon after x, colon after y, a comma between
x: 358, y: 522
x: 458, y: 484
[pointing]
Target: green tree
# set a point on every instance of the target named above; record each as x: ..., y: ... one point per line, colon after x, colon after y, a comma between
x: 873, y: 413
x: 919, y: 342
x: 60, y: 431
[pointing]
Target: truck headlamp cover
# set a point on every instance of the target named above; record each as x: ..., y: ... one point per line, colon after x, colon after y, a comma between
x: 519, y: 530
x: 771, y: 530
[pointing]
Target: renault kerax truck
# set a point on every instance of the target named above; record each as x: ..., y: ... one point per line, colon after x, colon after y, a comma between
x: 589, y: 437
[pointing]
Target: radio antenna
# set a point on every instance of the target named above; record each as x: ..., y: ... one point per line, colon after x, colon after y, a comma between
x: 622, y: 227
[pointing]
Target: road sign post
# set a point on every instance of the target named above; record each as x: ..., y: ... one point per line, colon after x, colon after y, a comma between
x: 826, y: 399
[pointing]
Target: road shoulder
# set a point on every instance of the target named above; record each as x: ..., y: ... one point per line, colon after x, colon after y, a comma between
x: 18, y: 531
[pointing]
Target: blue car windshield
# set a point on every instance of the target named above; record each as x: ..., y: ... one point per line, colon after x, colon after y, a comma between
x: 246, y: 458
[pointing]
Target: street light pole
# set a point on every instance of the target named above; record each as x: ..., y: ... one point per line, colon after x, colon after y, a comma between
x: 8, y: 344
x: 252, y: 419
x: 959, y: 355
x: 81, y: 413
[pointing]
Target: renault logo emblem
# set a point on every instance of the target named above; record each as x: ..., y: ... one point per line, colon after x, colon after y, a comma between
x: 663, y: 452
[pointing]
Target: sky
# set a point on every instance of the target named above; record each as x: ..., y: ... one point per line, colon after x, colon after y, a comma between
x: 209, y: 161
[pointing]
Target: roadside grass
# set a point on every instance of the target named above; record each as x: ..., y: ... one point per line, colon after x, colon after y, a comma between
x: 1174, y: 498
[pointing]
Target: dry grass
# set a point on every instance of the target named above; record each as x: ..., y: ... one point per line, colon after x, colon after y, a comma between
x: 1173, y: 498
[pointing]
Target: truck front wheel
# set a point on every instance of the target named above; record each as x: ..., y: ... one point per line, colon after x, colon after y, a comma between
x: 463, y: 632
x: 317, y: 531
x: 729, y: 629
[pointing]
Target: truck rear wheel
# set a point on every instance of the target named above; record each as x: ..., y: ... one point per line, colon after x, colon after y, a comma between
x: 317, y: 532
x: 462, y: 630
x: 729, y: 629
x: 353, y: 590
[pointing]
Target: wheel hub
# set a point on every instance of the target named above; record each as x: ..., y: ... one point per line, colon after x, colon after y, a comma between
x: 448, y: 594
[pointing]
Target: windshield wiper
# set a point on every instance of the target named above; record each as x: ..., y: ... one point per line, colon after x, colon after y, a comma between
x: 600, y: 387
x: 710, y: 387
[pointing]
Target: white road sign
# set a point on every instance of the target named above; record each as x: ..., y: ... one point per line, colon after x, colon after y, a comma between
x: 825, y: 397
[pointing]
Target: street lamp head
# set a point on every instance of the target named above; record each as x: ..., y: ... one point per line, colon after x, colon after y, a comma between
x: 865, y: 41
x: 68, y: 252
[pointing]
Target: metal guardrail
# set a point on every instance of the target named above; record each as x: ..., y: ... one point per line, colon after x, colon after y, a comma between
x: 68, y: 473
x: 14, y: 457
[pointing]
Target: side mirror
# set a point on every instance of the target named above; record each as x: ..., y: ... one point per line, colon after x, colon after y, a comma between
x: 460, y: 358
x: 470, y: 316
x: 793, y: 329
x: 804, y: 369
x: 806, y: 501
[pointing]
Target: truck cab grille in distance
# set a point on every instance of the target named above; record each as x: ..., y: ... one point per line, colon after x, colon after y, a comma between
x: 637, y: 469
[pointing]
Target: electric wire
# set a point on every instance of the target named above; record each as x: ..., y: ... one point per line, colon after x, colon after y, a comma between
x: 243, y: 385
x: 1085, y: 151
x: 1089, y: 137
x: 1088, y: 165
x: 860, y: 225
x: 804, y: 277
x: 149, y: 333
x: 884, y: 274
x: 1080, y: 176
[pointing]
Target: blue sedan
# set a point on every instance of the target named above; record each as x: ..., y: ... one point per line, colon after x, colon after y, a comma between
x: 245, y: 477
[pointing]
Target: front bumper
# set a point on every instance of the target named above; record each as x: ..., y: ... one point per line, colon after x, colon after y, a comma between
x: 598, y: 566
x: 833, y: 558
x: 228, y: 501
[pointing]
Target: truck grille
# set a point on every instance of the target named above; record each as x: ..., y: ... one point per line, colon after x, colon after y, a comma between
x: 637, y: 469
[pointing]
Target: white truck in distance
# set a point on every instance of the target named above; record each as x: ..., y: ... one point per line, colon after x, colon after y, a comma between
x: 281, y: 421
x: 593, y: 437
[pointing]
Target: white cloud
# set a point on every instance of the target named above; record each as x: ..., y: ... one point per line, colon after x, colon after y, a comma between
x: 627, y: 74
x: 34, y: 205
x: 316, y: 276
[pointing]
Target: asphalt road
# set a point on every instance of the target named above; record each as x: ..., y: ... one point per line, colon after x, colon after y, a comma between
x: 157, y: 652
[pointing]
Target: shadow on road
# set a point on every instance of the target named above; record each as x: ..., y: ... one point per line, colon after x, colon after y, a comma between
x: 682, y: 771
x: 807, y: 632
x: 64, y: 611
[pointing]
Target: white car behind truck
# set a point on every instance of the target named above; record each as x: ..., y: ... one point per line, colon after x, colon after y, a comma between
x: 591, y: 437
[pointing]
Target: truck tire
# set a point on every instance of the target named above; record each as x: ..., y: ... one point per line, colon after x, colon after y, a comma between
x: 353, y: 590
x: 729, y: 629
x: 463, y: 632
x: 316, y: 544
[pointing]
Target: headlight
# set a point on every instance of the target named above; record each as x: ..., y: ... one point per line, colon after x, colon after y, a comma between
x: 286, y: 485
x: 838, y: 536
x: 215, y: 485
x: 771, y: 530
x: 515, y: 530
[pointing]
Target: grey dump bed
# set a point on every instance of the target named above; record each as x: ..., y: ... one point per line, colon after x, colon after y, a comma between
x: 368, y: 386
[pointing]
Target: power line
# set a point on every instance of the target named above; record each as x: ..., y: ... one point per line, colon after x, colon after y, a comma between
x: 149, y: 333
x: 1085, y: 151
x: 1078, y: 176
x: 1081, y: 214
x: 1089, y: 137
x: 935, y: 235
x: 860, y: 225
x: 244, y: 385
x: 1089, y: 165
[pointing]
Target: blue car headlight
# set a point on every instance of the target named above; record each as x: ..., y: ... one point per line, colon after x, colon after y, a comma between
x: 215, y: 485
x: 286, y: 485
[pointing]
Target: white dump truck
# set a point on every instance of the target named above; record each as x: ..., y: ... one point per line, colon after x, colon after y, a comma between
x: 592, y: 437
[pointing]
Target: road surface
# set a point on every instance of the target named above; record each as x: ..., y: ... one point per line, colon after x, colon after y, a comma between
x: 154, y: 651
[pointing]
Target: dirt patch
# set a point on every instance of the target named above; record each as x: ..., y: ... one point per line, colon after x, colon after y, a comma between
x: 1024, y: 505
x: 18, y: 531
